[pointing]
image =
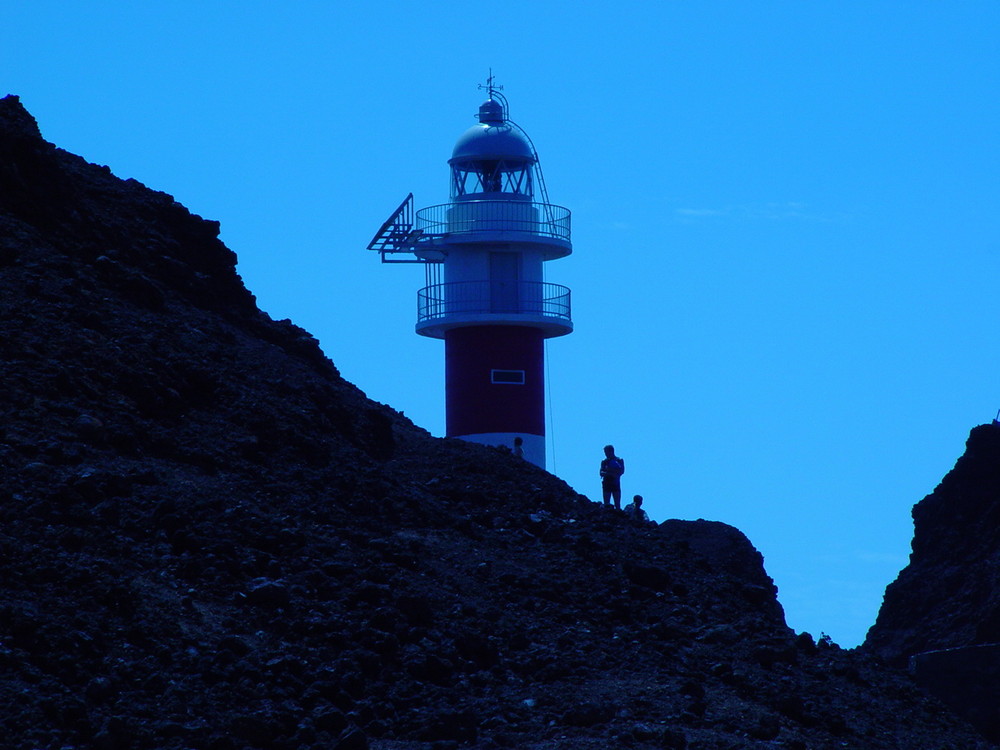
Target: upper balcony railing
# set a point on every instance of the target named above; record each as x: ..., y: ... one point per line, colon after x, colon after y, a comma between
x: 507, y: 299
x: 467, y: 217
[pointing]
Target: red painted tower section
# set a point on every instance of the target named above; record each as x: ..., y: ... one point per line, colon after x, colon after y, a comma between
x: 483, y: 253
x: 495, y: 380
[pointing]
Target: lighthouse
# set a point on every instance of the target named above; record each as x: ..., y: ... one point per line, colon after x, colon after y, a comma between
x: 484, y: 254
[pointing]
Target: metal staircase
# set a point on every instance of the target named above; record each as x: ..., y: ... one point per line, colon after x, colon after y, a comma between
x: 397, y: 236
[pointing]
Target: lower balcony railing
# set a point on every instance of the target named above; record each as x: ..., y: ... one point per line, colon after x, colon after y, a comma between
x: 505, y: 298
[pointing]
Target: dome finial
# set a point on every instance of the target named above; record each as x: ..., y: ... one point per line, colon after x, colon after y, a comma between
x: 494, y: 109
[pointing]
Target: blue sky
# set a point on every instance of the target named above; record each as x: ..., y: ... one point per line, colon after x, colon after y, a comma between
x: 786, y: 235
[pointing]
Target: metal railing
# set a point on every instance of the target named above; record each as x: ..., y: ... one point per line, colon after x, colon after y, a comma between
x: 463, y: 217
x: 507, y: 298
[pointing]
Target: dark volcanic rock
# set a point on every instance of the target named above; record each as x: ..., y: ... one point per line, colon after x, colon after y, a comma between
x: 949, y: 594
x: 945, y: 605
x: 208, y: 539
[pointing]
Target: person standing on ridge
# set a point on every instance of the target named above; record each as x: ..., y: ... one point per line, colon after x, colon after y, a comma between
x: 612, y: 468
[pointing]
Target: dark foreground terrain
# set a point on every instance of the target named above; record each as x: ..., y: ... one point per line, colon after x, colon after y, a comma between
x: 208, y: 539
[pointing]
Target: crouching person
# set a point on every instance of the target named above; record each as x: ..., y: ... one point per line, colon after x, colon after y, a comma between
x: 634, y: 511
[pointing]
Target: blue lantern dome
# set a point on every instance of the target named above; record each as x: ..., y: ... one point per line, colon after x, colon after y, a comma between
x: 491, y: 141
x: 493, y: 151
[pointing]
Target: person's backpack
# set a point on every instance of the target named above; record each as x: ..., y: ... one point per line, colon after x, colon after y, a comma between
x: 615, y: 466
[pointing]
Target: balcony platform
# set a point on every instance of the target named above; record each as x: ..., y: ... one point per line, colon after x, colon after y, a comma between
x: 464, y: 222
x: 470, y: 303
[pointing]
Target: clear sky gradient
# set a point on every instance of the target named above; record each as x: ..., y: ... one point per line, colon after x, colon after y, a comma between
x: 785, y: 214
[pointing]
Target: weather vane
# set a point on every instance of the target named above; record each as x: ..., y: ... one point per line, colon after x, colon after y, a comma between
x: 491, y: 84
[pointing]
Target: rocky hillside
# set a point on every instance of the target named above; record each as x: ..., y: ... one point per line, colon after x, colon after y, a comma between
x: 943, y: 611
x: 209, y: 540
x: 948, y: 596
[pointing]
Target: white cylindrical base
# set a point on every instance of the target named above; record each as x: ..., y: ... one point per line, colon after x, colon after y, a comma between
x: 533, y: 445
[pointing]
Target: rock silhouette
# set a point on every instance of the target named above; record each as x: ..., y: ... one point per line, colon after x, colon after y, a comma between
x: 209, y: 539
x: 944, y: 608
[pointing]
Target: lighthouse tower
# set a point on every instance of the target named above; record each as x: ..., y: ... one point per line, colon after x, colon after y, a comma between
x: 484, y: 253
